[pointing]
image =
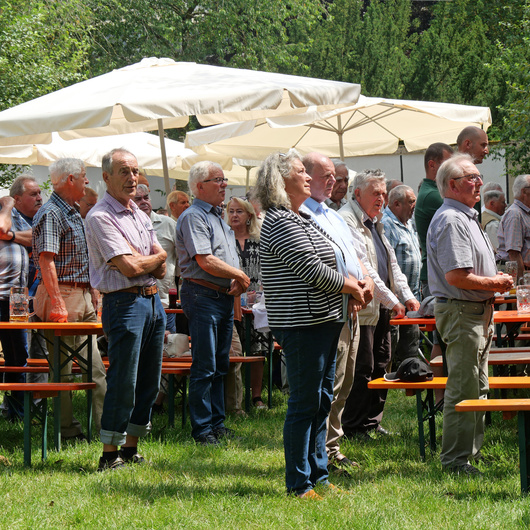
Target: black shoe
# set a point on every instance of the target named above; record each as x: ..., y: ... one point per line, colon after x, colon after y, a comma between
x: 223, y: 432
x: 466, y: 469
x: 136, y: 458
x: 207, y: 439
x: 337, y: 471
x: 113, y: 464
x: 80, y: 437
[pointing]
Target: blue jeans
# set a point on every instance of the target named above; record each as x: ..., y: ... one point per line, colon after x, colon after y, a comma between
x: 310, y: 354
x: 134, y: 326
x: 211, y: 319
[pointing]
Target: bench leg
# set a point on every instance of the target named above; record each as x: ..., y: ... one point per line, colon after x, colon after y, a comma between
x: 184, y: 387
x: 421, y: 434
x: 28, y: 401
x: 171, y: 399
x: 43, y: 410
x: 431, y: 411
x: 524, y: 437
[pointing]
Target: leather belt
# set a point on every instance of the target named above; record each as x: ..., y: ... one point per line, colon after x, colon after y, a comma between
x: 489, y: 301
x: 209, y: 285
x: 80, y: 285
x: 150, y: 290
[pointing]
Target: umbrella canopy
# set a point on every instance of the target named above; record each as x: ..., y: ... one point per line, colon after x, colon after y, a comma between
x: 135, y: 97
x: 372, y: 126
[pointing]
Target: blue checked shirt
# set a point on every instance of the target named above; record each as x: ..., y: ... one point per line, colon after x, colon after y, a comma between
x: 14, y: 260
x: 58, y: 228
x: 404, y: 240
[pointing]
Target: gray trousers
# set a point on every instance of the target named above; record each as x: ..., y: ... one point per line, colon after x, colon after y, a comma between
x: 467, y: 330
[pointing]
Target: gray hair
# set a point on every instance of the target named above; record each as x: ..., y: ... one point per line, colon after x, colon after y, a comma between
x: 399, y: 193
x: 520, y: 182
x: 450, y: 169
x: 199, y: 172
x: 270, y: 184
x: 63, y: 167
x: 492, y: 195
x: 106, y: 161
x: 338, y: 163
x: 143, y: 188
x: 18, y: 187
x: 489, y: 186
x: 363, y: 179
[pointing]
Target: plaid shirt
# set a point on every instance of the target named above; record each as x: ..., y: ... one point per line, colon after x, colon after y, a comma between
x: 14, y: 260
x: 404, y: 240
x: 58, y: 228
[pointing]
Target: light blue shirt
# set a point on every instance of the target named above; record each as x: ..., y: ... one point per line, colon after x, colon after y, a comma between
x: 332, y: 223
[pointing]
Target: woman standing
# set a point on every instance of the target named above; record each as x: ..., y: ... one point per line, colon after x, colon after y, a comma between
x: 303, y: 275
x: 242, y: 220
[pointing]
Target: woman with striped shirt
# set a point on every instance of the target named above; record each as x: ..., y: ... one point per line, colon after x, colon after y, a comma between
x: 303, y: 274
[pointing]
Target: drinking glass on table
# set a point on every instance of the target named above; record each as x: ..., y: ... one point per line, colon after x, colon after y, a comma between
x: 511, y: 268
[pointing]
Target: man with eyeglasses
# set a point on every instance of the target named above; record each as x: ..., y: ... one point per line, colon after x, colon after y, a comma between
x: 514, y: 228
x: 463, y: 277
x: 337, y: 199
x: 209, y: 264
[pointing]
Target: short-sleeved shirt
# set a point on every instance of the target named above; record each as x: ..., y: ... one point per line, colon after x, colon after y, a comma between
x: 456, y: 241
x: 111, y: 228
x: 201, y: 230
x: 165, y: 233
x: 404, y: 241
x: 514, y: 231
x: 428, y: 201
x: 58, y: 228
x: 14, y: 260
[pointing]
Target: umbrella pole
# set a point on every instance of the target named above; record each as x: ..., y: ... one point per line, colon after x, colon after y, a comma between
x: 341, y: 140
x: 163, y: 155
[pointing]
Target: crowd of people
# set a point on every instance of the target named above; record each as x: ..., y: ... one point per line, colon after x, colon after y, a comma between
x: 334, y: 269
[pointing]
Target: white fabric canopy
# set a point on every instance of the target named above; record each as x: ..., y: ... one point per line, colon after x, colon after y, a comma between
x: 135, y: 97
x: 370, y: 127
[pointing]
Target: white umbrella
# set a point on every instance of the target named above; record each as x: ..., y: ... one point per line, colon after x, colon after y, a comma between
x: 371, y: 126
x: 162, y: 93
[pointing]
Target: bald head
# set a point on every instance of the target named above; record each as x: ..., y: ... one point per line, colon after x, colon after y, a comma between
x: 473, y: 141
x: 322, y: 172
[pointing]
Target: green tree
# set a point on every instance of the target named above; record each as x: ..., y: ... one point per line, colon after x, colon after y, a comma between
x: 365, y: 44
x: 43, y: 47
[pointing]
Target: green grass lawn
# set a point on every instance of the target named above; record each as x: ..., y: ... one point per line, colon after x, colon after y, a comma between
x: 241, y: 484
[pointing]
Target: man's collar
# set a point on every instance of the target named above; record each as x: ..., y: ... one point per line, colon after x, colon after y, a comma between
x: 387, y: 211
x: 522, y: 205
x: 314, y: 205
x: 117, y: 206
x: 365, y: 216
x: 493, y: 214
x: 470, y: 212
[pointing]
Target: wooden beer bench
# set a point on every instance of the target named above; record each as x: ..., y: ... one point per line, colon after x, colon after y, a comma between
x: 508, y: 407
x: 426, y: 409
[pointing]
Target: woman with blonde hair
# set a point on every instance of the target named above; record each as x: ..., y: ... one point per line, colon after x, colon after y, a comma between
x: 242, y: 219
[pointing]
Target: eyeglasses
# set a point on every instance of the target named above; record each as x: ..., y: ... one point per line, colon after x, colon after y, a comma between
x: 217, y: 180
x: 472, y: 178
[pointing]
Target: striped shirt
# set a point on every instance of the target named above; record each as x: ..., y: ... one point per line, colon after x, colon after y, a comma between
x: 111, y: 228
x: 58, y: 228
x: 14, y: 260
x: 300, y: 279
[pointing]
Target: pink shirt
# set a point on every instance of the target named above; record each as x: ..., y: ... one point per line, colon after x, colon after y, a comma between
x: 110, y: 228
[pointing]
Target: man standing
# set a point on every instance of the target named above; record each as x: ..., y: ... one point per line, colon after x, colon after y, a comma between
x: 177, y: 202
x: 322, y: 172
x: 165, y: 233
x: 495, y: 206
x: 28, y: 199
x: 364, y: 407
x: 15, y: 235
x: 87, y: 202
x: 125, y: 261
x: 403, y: 238
x: 210, y: 267
x: 514, y: 228
x: 428, y: 202
x: 64, y: 293
x: 474, y: 142
x: 337, y: 198
x: 464, y: 278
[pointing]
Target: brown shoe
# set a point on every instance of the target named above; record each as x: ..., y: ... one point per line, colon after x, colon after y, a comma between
x: 311, y: 494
